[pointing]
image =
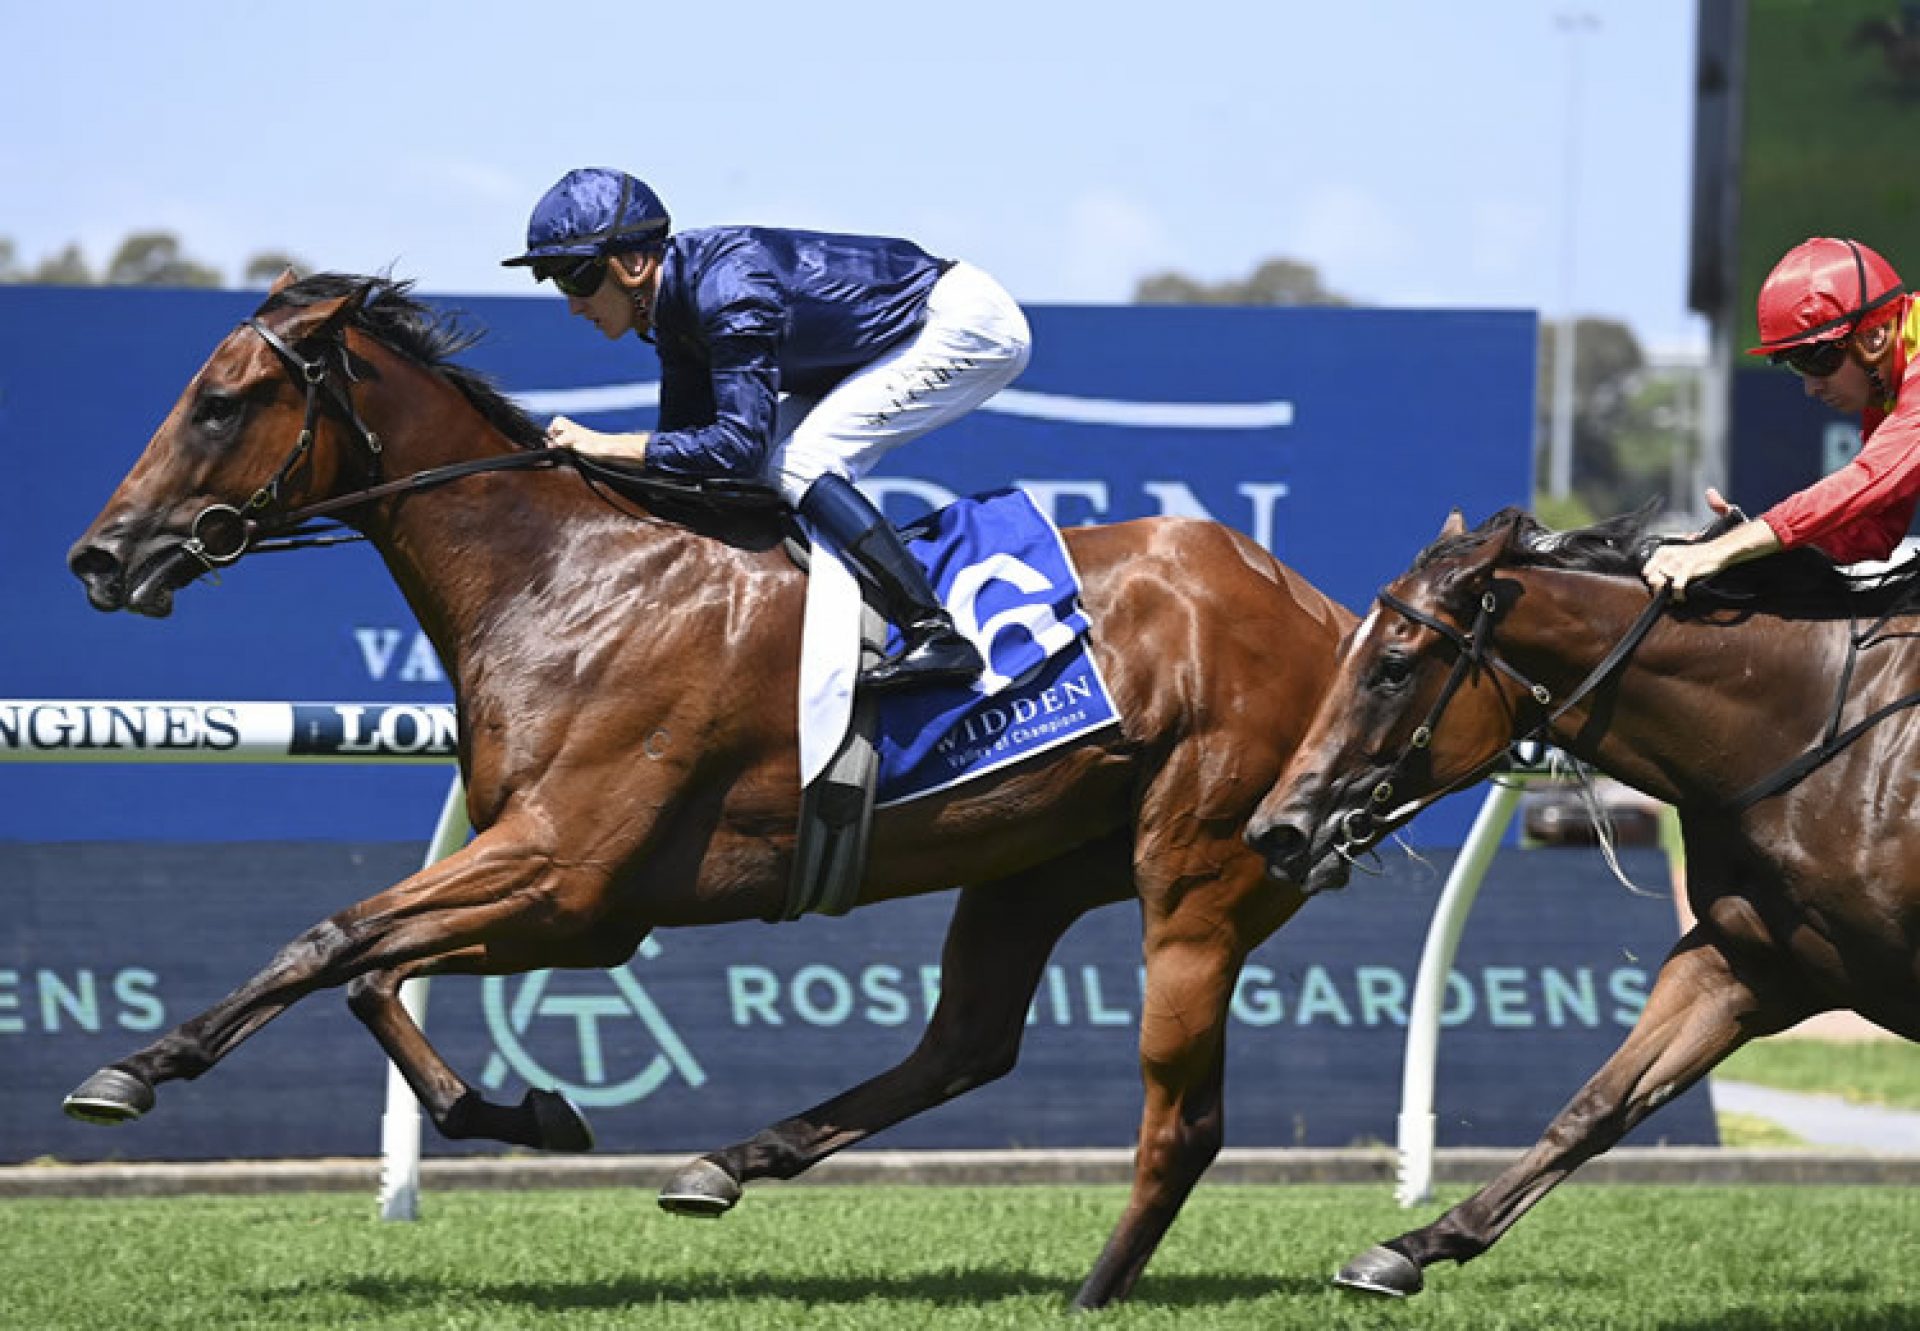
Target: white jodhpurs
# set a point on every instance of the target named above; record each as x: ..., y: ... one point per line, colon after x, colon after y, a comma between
x: 974, y: 343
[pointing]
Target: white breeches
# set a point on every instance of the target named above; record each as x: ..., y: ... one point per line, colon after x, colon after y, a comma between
x: 974, y: 343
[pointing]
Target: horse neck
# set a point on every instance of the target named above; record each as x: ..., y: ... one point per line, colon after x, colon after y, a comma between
x: 1670, y: 717
x: 467, y: 553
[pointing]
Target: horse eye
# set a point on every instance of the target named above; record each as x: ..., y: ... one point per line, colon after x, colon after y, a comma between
x: 1395, y: 669
x: 217, y: 413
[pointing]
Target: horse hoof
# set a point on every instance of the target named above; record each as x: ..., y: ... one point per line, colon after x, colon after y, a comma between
x: 562, y: 1126
x: 1381, y: 1270
x: 109, y: 1096
x: 700, y: 1189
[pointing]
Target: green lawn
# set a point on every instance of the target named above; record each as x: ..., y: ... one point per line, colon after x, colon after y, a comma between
x: 1871, y: 1072
x: 930, y: 1258
x: 1748, y: 1132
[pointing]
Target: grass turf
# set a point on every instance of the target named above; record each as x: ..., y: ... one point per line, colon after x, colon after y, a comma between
x: 930, y: 1258
x: 1871, y: 1072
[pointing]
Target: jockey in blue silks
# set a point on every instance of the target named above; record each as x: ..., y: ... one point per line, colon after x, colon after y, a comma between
x: 795, y: 356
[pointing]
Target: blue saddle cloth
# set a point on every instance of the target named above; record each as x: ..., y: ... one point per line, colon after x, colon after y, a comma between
x: 1001, y: 567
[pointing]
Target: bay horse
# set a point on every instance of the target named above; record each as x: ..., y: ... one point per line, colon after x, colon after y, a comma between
x: 1759, y: 708
x: 620, y: 778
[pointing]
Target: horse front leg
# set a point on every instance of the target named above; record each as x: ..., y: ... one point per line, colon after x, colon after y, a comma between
x: 1703, y: 1007
x: 498, y: 888
x: 995, y: 953
x: 1199, y: 928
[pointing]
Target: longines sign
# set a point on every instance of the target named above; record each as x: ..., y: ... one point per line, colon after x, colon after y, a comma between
x: 225, y: 732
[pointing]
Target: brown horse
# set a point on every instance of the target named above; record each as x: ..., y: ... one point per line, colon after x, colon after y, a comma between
x: 1755, y: 709
x: 620, y: 779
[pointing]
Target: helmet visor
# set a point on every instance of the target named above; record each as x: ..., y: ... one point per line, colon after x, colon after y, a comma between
x: 1813, y: 360
x: 573, y: 277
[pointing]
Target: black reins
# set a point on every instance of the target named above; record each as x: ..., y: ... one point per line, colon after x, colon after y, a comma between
x: 1472, y: 656
x: 221, y: 533
x: 1835, y: 738
x: 1471, y: 649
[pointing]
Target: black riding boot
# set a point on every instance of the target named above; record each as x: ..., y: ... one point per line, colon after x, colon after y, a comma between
x: 934, y: 651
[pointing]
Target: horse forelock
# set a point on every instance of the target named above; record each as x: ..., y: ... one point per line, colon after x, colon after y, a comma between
x: 393, y: 317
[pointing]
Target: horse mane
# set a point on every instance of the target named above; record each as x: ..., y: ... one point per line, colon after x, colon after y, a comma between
x: 1800, y: 582
x: 393, y: 317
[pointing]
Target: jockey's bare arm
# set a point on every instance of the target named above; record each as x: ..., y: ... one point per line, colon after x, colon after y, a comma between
x: 563, y: 433
x: 1679, y: 566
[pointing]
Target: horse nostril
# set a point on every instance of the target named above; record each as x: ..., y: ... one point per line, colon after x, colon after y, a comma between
x: 100, y: 570
x: 1278, y: 840
x: 92, y: 563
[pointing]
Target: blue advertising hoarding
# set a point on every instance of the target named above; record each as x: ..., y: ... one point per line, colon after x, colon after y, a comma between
x: 708, y: 1035
x: 1781, y: 439
x: 1338, y: 438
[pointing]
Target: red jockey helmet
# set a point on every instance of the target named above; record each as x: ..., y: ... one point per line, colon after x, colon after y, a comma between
x: 1824, y: 289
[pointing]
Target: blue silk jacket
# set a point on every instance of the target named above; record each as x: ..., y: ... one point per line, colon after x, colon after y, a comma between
x: 744, y: 314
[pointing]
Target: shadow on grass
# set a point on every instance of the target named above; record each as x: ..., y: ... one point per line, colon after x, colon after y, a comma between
x: 1831, y: 1317
x: 946, y: 1289
x: 1832, y: 1303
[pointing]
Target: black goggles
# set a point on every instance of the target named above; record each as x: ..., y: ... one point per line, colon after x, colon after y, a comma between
x: 579, y: 278
x: 1815, y: 360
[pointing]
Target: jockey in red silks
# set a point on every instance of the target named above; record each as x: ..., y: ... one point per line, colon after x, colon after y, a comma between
x: 1835, y: 313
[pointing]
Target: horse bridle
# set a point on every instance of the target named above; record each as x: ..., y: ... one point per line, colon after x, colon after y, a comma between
x: 253, y: 526
x: 1472, y: 649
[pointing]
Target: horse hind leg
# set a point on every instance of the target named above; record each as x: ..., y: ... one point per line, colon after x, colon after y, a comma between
x: 1700, y: 1010
x: 996, y: 950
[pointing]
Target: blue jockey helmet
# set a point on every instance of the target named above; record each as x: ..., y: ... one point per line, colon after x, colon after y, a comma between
x: 593, y: 212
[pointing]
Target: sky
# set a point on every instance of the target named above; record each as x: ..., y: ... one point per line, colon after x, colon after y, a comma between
x: 1476, y: 154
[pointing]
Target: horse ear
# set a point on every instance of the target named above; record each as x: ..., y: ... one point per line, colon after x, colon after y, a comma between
x: 1455, y: 525
x: 286, y: 279
x: 322, y: 318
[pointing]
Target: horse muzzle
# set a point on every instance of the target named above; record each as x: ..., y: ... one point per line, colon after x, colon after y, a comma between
x: 1313, y: 853
x: 141, y: 576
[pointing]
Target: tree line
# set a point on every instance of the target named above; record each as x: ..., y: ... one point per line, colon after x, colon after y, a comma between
x: 1634, y: 425
x: 143, y: 259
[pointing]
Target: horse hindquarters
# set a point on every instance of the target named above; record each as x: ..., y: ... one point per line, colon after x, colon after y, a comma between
x: 1701, y: 1009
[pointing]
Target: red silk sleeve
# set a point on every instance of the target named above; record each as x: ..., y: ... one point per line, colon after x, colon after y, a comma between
x: 1864, y: 509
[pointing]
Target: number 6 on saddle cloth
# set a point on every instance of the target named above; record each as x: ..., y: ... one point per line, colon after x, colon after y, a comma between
x: 1003, y: 572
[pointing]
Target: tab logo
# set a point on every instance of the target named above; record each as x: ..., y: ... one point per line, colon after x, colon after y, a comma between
x: 574, y: 1031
